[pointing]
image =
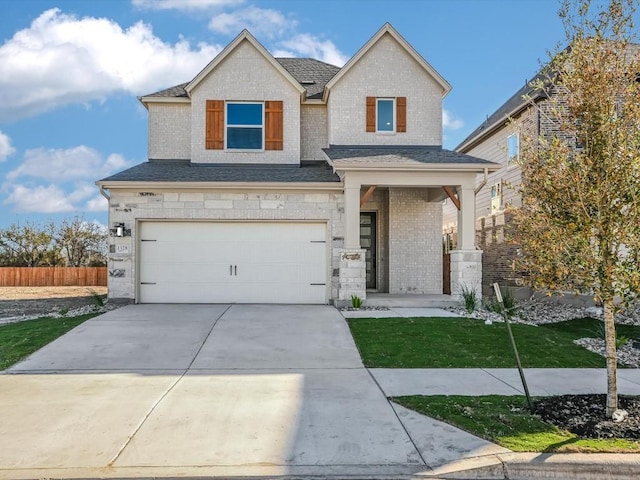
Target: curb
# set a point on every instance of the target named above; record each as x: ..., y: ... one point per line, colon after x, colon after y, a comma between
x: 531, y: 466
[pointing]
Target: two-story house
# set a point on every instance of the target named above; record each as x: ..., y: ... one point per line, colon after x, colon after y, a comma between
x: 288, y: 180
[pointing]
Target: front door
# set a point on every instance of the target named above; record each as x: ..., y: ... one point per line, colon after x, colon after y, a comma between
x: 368, y: 243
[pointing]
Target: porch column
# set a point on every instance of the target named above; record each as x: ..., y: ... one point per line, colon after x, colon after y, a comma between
x: 352, y: 271
x: 466, y: 219
x: 466, y: 261
x: 352, y: 214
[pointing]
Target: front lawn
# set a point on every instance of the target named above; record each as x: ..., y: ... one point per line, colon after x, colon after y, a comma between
x: 469, y: 343
x: 506, y: 421
x: 19, y: 340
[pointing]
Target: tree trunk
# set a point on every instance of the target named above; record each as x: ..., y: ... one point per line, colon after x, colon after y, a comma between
x: 612, y: 362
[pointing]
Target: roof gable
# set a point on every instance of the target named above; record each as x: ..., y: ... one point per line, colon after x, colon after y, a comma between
x: 244, y: 36
x: 387, y: 29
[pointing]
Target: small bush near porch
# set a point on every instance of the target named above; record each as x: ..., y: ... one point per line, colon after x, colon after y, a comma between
x: 469, y: 343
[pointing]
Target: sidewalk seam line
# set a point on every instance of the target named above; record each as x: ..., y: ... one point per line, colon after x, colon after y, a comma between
x: 500, y: 380
x: 424, y: 462
x: 171, y: 387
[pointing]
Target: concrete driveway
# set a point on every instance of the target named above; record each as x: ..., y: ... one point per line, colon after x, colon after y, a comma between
x: 176, y: 390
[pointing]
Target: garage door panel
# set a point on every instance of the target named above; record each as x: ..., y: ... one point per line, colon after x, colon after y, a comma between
x: 189, y: 262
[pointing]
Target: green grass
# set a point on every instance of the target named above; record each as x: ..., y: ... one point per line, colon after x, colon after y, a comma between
x: 19, y: 340
x: 469, y: 343
x: 505, y: 420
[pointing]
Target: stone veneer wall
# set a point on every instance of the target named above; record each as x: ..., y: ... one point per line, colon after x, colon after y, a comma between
x: 415, y: 242
x: 127, y: 206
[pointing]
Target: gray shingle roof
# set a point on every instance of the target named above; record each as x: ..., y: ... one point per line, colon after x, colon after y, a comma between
x: 312, y: 74
x: 185, y: 171
x: 404, y: 154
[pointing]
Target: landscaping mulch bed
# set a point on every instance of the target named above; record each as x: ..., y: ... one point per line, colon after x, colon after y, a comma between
x: 585, y: 416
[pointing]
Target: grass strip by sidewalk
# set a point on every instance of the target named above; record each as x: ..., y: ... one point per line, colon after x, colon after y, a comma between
x: 505, y: 420
x: 469, y: 343
x: 21, y: 339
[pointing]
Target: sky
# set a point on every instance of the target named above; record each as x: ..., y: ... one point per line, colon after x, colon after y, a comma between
x: 71, y: 72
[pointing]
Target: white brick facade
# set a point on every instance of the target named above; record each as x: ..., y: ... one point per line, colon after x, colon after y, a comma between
x: 385, y: 71
x: 170, y: 131
x: 313, y: 131
x: 415, y: 242
x: 246, y: 76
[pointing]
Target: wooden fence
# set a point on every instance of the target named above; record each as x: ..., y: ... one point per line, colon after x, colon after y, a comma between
x: 53, y: 276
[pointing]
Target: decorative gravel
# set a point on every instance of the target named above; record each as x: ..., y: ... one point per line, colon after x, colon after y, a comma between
x: 627, y: 354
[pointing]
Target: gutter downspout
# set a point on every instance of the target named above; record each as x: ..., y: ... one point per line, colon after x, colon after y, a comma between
x: 104, y: 194
x: 483, y: 183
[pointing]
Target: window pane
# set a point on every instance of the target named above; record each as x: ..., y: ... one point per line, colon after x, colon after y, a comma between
x: 385, y: 116
x: 244, y: 114
x: 512, y: 147
x: 244, y: 138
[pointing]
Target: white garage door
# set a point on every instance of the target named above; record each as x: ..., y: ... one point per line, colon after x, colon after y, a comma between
x: 243, y: 262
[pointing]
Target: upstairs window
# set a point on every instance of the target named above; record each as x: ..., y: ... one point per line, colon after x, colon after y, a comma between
x: 513, y: 148
x: 245, y: 123
x: 250, y: 126
x: 385, y: 114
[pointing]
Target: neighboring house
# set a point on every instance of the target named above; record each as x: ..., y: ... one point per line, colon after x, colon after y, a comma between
x: 497, y: 139
x: 293, y: 181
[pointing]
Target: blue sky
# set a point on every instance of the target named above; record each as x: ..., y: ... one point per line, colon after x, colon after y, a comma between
x: 70, y: 72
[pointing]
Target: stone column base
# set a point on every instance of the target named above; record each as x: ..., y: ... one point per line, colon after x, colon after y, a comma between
x: 466, y: 272
x: 352, y: 274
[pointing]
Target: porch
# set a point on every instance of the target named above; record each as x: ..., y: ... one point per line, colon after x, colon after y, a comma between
x: 410, y: 300
x: 393, y: 200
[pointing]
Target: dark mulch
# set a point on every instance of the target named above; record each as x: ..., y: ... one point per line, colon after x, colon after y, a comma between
x: 585, y: 416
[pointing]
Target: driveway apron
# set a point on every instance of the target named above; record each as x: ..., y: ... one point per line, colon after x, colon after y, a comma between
x: 242, y: 389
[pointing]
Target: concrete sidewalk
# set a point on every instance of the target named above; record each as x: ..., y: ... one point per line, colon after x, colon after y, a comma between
x: 397, y: 382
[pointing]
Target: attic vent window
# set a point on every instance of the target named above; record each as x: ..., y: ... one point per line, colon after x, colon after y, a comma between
x: 308, y: 82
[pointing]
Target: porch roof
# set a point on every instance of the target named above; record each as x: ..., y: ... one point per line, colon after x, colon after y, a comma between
x: 404, y: 157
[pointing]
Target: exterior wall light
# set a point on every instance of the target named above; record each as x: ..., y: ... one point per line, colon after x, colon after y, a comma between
x: 119, y: 230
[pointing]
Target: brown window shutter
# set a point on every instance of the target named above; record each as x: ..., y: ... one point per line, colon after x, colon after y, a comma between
x: 371, y: 114
x: 214, y: 139
x: 273, y: 128
x: 401, y: 114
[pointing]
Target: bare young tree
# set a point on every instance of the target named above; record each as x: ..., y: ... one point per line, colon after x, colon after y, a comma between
x: 81, y: 243
x: 28, y: 245
x: 579, y: 225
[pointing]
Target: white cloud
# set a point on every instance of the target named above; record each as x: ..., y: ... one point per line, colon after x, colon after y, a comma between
x: 65, y: 165
x: 96, y: 204
x: 40, y: 199
x: 5, y: 147
x: 183, y: 4
x: 61, y: 59
x: 307, y: 45
x: 450, y: 122
x: 259, y: 21
x: 60, y: 180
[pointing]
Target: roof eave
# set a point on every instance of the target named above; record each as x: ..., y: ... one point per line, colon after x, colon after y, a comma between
x: 432, y: 167
x: 176, y: 185
x: 150, y: 99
